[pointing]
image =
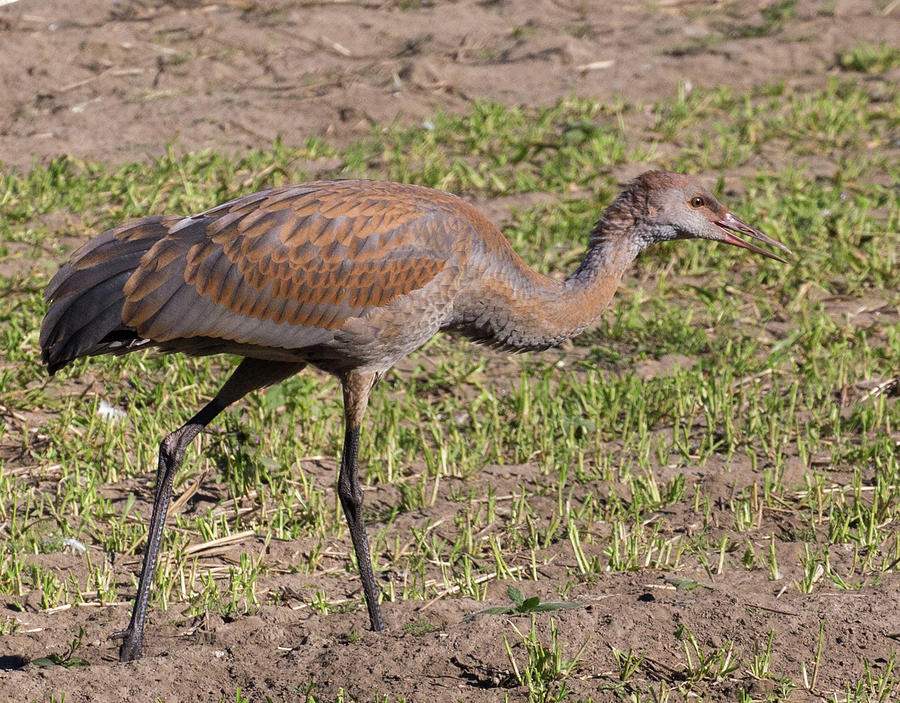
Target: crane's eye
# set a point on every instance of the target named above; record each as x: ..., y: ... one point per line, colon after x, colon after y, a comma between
x: 697, y: 201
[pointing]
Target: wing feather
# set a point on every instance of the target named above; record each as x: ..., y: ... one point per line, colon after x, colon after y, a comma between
x: 288, y: 267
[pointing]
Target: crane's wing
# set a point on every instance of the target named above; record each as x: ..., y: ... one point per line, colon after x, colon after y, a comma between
x: 287, y: 267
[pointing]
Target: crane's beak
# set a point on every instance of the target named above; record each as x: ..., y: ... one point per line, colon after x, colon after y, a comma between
x: 729, y: 223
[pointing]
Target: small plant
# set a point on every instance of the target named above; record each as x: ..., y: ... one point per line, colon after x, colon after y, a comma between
x: 774, y: 573
x: 53, y: 592
x: 351, y: 637
x: 687, y: 585
x: 8, y: 626
x: 544, y: 666
x: 812, y: 571
x: 421, y: 627
x: 239, y: 697
x: 628, y: 663
x: 878, y: 686
x: 759, y: 667
x: 773, y: 17
x: 869, y: 58
x: 810, y: 683
x: 522, y: 605
x: 703, y: 665
x: 68, y: 658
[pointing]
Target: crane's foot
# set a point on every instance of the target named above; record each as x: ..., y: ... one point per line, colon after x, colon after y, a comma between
x: 132, y: 644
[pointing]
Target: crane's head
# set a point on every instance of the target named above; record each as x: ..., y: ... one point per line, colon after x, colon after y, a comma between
x: 670, y: 206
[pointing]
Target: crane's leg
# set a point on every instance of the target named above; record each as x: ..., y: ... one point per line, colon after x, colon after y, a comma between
x: 248, y: 376
x: 357, y: 387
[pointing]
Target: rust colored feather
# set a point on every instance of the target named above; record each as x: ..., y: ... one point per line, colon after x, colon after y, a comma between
x: 311, y: 255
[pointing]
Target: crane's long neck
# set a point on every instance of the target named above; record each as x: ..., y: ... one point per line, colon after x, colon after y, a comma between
x: 524, y: 310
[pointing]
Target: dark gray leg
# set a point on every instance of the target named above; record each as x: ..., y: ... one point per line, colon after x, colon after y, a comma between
x: 248, y: 376
x: 357, y: 388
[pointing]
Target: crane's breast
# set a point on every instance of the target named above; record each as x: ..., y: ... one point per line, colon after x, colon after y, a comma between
x: 306, y: 257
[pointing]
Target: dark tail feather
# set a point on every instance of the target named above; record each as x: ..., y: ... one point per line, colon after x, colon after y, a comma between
x: 86, y: 295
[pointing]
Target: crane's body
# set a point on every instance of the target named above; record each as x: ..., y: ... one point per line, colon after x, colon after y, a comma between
x: 348, y: 276
x: 329, y: 273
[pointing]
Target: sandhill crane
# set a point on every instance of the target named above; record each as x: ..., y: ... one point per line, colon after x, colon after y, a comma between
x: 349, y: 276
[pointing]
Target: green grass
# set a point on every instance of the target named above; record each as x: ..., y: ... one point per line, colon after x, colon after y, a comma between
x: 786, y: 366
x: 870, y: 58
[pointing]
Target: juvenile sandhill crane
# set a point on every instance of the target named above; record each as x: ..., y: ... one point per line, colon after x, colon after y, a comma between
x: 349, y: 276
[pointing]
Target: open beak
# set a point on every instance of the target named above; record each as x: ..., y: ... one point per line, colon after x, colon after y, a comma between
x: 729, y: 224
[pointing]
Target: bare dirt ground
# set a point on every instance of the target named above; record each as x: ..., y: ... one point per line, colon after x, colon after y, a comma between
x: 119, y: 81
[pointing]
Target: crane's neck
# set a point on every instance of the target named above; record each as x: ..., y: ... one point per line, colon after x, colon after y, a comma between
x: 525, y: 310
